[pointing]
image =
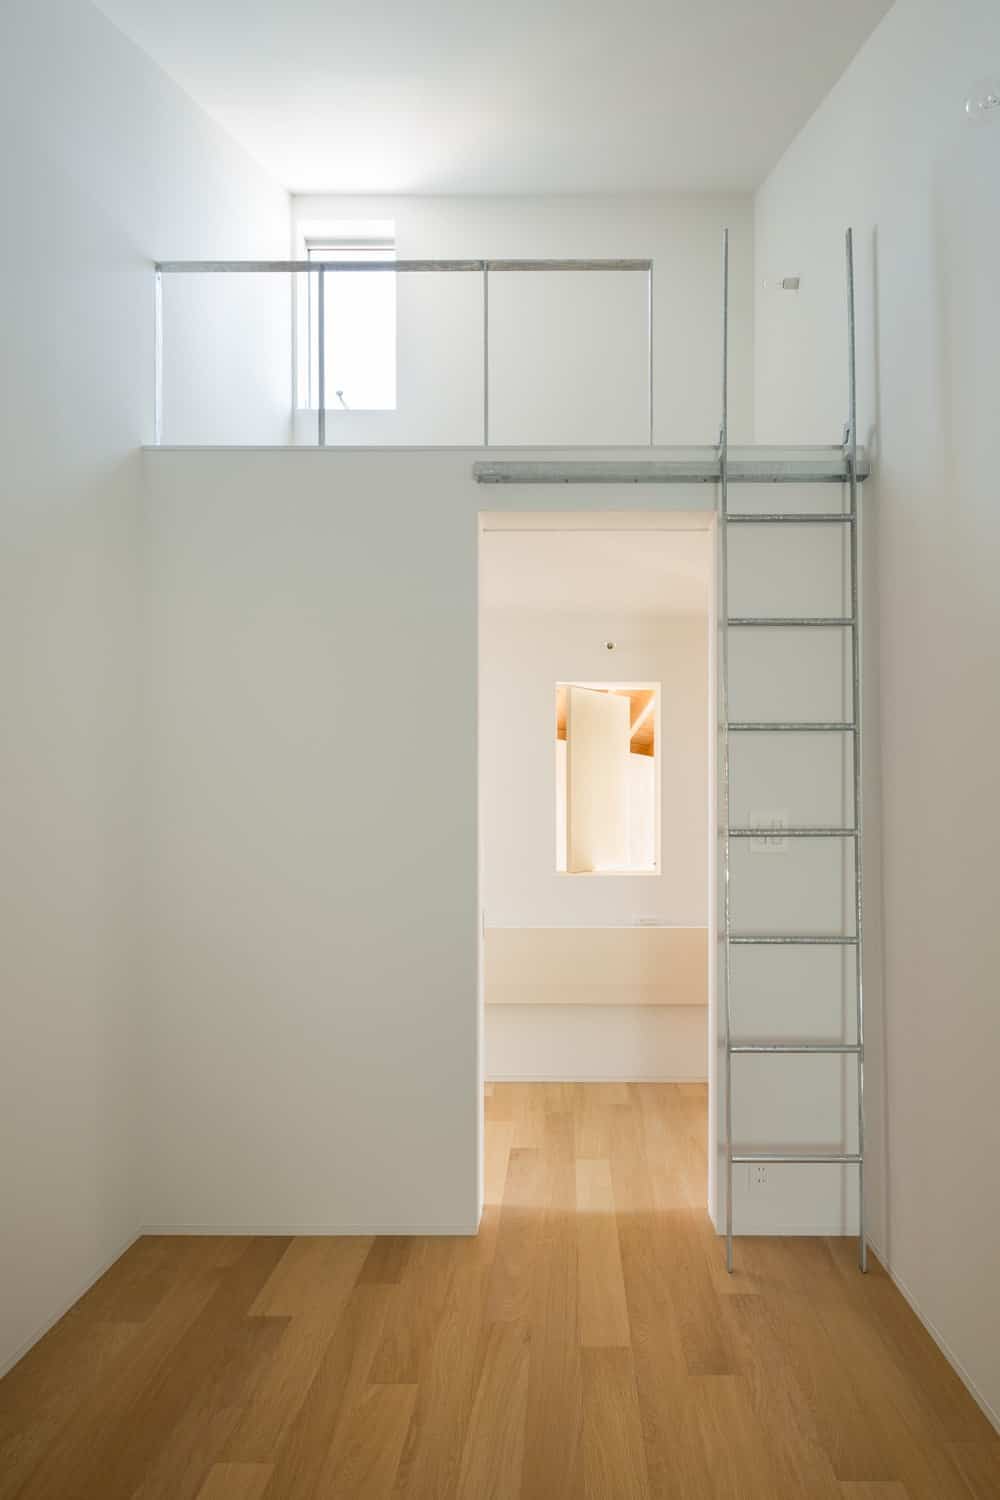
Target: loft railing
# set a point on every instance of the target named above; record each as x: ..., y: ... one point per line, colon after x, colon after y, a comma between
x: 321, y: 269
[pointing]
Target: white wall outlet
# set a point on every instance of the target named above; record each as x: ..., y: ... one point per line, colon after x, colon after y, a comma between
x: 757, y: 1176
x: 771, y: 822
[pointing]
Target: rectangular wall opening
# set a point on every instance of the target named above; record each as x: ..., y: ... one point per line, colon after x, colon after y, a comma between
x: 596, y: 712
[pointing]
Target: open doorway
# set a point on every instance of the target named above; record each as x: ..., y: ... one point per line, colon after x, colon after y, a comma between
x: 597, y: 824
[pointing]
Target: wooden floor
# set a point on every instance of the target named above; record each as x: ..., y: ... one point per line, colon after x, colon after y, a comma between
x: 588, y: 1343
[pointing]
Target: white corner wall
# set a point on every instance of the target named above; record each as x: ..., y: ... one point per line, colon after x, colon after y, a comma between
x: 890, y: 151
x: 105, y: 166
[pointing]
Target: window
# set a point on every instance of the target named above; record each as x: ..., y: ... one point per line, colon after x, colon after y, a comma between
x: 360, y: 320
x: 607, y: 783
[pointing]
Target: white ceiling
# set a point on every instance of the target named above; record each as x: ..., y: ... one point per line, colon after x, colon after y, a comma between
x: 534, y: 96
x: 616, y: 572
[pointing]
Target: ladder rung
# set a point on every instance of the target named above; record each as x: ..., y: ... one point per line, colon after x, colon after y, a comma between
x: 791, y: 518
x: 798, y: 1048
x: 746, y: 726
x: 809, y: 1157
x: 792, y: 622
x: 793, y: 833
x: 790, y: 941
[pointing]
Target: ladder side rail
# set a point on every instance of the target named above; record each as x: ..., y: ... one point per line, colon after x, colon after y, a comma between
x: 723, y: 607
x: 856, y: 713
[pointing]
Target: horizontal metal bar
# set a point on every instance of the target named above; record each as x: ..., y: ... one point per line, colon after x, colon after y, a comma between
x: 801, y: 622
x: 615, y: 264
x: 788, y: 726
x: 779, y: 474
x: 686, y: 468
x: 810, y: 1158
x: 793, y: 833
x: 790, y: 518
x: 210, y: 267
x: 207, y: 266
x: 798, y: 1048
x: 783, y: 941
x: 790, y: 462
x: 643, y: 471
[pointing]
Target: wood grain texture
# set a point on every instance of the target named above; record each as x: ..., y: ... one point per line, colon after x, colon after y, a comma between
x: 235, y: 1482
x: 585, y: 1345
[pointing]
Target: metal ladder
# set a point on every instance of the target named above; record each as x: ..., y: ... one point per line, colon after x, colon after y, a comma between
x: 735, y: 1048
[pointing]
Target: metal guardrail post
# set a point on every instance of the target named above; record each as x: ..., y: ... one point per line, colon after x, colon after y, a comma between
x: 649, y: 338
x: 321, y: 358
x: 157, y: 356
x: 486, y: 354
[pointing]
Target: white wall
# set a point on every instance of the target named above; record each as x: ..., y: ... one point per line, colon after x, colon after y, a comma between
x: 329, y: 926
x: 567, y: 351
x: 891, y: 152
x: 599, y: 1042
x: 313, y: 845
x: 523, y: 654
x: 104, y: 166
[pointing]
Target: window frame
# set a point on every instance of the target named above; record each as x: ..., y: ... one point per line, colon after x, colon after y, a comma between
x: 348, y: 243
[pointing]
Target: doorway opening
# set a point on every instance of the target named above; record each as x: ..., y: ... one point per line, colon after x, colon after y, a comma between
x: 597, y: 810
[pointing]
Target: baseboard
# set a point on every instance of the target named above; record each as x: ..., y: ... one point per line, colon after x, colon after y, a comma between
x: 591, y: 1078
x: 333, y: 1231
x: 987, y: 1410
x: 793, y: 1232
x: 7, y: 1365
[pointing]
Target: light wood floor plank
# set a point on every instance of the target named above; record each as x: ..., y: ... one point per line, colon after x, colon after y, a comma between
x: 555, y: 1380
x: 364, y: 1459
x: 313, y: 1266
x: 979, y: 1466
x: 586, y: 1344
x: 207, y: 1423
x: 103, y: 1446
x: 432, y: 1457
x: 414, y: 1314
x: 386, y: 1261
x: 614, y: 1458
x: 520, y: 1225
x: 315, y: 1301
x: 339, y: 1379
x: 235, y: 1482
x: 603, y: 1317
x: 493, y: 1455
x: 852, y: 1489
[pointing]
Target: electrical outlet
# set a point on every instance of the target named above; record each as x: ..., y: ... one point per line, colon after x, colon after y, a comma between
x: 757, y: 1176
x: 771, y: 823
